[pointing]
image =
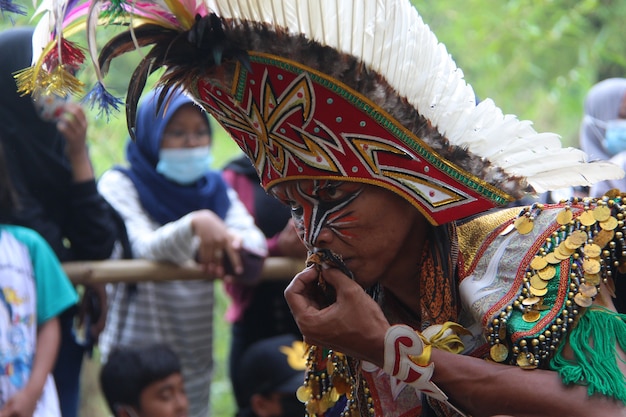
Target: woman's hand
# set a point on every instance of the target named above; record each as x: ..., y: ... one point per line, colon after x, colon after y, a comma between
x: 352, y: 323
x: 73, y: 126
x: 216, y: 243
x: 93, y: 304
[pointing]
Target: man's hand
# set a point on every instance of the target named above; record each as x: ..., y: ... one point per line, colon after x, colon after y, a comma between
x: 353, y: 324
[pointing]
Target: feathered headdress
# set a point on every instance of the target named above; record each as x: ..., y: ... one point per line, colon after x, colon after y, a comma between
x: 358, y: 90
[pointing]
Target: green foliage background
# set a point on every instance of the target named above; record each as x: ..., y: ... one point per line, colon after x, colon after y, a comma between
x: 535, y: 59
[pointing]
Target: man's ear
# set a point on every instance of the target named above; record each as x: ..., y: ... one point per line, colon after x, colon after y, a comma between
x: 125, y: 411
x: 263, y: 406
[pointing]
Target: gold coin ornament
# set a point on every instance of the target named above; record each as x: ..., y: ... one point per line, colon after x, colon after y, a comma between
x: 524, y: 225
x: 531, y: 300
x: 593, y: 279
x: 538, y: 262
x: 304, y: 393
x: 570, y: 244
x: 538, y: 292
x: 582, y: 300
x: 546, y: 274
x: 565, y: 216
x: 524, y: 363
x: 591, y: 266
x: 603, y: 237
x: 587, y: 218
x: 552, y: 259
x: 578, y: 237
x: 499, y: 352
x: 531, y: 316
x: 592, y: 250
x: 538, y: 283
x: 581, y: 245
x: 588, y: 290
x: 562, y: 252
x: 610, y: 224
x: 601, y: 213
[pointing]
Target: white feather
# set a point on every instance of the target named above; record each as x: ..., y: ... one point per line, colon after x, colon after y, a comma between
x: 355, y: 18
x: 43, y: 29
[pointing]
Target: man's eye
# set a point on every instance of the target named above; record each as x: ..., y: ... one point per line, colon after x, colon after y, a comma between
x: 331, y: 193
x: 296, y: 210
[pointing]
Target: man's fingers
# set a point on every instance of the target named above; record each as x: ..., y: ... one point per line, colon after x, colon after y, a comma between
x: 234, y: 258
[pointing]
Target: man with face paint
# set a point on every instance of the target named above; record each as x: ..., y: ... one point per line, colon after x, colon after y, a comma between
x: 422, y: 297
x: 176, y: 209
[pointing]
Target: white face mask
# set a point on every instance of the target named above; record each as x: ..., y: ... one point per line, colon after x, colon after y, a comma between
x: 184, y: 165
x: 615, y: 136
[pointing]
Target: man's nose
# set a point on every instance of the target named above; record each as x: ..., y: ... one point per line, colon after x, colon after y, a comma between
x: 322, y: 237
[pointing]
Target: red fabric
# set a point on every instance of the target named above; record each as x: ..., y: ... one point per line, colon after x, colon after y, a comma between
x: 295, y: 123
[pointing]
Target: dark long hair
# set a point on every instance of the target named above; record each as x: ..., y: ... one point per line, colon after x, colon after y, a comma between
x: 8, y: 197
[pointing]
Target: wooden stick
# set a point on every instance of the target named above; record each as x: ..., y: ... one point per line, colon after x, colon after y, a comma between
x: 141, y: 270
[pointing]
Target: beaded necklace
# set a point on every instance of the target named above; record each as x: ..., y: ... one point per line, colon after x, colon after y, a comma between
x: 332, y: 385
x: 589, y: 240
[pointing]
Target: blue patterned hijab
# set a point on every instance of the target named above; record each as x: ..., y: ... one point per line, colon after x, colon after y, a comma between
x: 163, y: 199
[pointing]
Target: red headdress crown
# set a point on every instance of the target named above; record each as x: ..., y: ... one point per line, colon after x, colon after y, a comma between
x: 357, y: 90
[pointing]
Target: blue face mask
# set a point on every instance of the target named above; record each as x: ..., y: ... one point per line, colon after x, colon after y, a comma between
x: 184, y: 165
x: 615, y: 136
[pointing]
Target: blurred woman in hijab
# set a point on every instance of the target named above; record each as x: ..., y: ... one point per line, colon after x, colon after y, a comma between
x: 177, y: 209
x: 603, y: 129
x: 49, y: 164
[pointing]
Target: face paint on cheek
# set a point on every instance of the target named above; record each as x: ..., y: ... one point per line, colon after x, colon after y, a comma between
x: 300, y: 230
x: 318, y: 213
x: 314, y: 209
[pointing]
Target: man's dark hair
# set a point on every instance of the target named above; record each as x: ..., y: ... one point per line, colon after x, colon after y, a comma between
x: 8, y: 197
x: 128, y: 371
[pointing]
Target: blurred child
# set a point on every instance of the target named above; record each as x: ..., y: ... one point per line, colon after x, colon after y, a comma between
x: 144, y: 382
x: 34, y: 291
x: 270, y: 372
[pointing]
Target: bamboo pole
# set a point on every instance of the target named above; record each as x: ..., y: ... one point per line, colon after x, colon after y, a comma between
x: 140, y: 270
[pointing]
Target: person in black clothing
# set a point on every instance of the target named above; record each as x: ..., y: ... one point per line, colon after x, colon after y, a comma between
x: 50, y: 167
x: 259, y: 312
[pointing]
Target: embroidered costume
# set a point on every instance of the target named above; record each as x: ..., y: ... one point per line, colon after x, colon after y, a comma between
x: 361, y: 91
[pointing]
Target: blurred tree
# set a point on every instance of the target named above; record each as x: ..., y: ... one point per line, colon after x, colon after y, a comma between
x: 535, y: 59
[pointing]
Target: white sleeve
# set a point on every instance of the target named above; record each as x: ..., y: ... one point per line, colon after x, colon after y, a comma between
x: 173, y: 242
x: 240, y: 222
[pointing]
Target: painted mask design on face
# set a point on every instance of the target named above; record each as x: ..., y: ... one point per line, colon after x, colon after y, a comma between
x: 319, y: 204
